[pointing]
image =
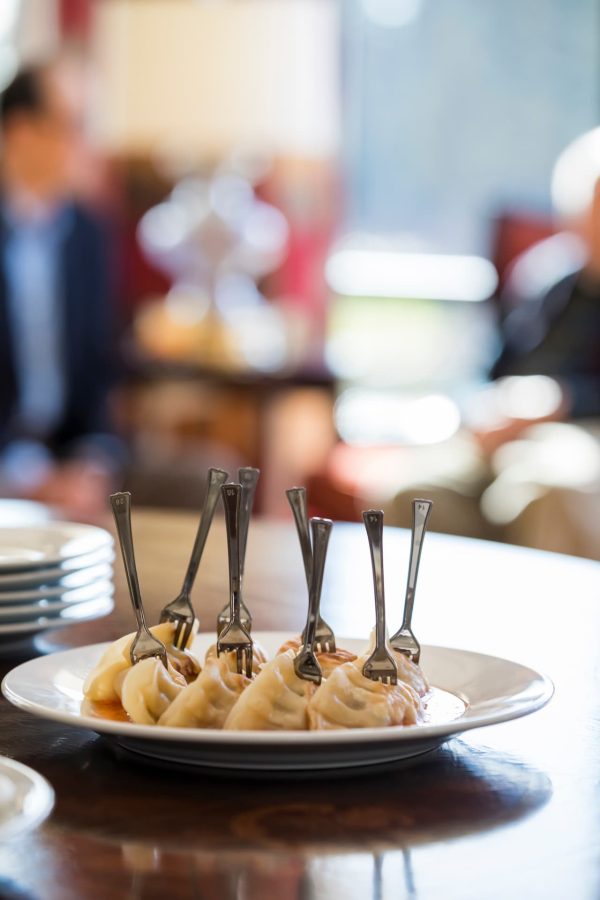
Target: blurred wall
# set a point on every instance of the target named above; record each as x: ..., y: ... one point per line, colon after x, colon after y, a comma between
x: 203, y: 77
x: 455, y: 110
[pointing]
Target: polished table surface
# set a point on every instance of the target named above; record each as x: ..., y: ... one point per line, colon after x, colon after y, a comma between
x: 507, y: 811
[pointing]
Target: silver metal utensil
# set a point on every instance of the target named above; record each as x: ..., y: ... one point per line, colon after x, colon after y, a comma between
x: 324, y: 636
x: 306, y: 665
x: 248, y: 478
x: 144, y: 644
x: 234, y: 636
x: 180, y: 610
x: 404, y: 640
x: 380, y: 666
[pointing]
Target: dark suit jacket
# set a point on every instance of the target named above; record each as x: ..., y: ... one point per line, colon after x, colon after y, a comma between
x: 87, y: 333
x: 558, y: 334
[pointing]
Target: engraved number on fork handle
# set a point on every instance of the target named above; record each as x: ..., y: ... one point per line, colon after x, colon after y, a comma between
x: 421, y: 513
x: 373, y: 519
x: 121, y: 505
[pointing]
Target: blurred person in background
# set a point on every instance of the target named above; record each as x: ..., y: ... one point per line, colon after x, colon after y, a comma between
x: 553, y: 328
x: 55, y: 319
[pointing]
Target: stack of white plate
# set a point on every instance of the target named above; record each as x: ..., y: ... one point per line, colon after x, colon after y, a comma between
x: 53, y: 574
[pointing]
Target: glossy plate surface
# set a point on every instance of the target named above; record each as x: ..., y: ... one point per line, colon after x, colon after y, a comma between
x: 26, y: 611
x: 473, y: 690
x: 25, y: 798
x: 72, y: 572
x: 48, y: 545
x: 78, y: 612
x: 68, y: 586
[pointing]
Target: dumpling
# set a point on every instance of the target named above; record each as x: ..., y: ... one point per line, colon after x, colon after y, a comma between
x: 207, y: 701
x: 148, y: 689
x: 327, y: 661
x: 102, y: 684
x: 276, y: 700
x: 347, y: 699
x: 259, y: 657
x: 410, y: 673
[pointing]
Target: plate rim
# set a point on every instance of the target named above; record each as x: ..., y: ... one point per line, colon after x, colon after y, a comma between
x: 43, y: 796
x: 34, y: 626
x: 105, y: 540
x: 402, y: 733
x: 56, y: 603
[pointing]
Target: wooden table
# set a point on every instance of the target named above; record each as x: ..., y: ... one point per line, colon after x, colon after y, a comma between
x: 505, y: 812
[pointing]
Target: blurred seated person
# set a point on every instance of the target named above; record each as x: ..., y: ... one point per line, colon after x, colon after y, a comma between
x: 55, y: 323
x: 553, y: 328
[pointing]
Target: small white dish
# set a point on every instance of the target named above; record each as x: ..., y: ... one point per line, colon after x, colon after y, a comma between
x: 26, y: 798
x: 79, y: 612
x: 25, y: 611
x: 48, y: 545
x: 76, y: 582
x: 473, y: 690
x: 77, y: 570
x: 16, y: 513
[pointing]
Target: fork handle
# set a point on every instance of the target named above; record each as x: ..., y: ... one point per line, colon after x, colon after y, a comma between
x: 373, y: 519
x: 297, y: 500
x: 321, y: 530
x: 421, y: 511
x: 216, y: 478
x: 121, y: 507
x: 248, y: 478
x: 232, y: 496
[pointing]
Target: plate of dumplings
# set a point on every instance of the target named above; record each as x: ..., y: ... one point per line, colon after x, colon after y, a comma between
x: 199, y: 712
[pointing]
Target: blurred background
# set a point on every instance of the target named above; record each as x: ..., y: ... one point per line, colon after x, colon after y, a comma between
x: 338, y: 247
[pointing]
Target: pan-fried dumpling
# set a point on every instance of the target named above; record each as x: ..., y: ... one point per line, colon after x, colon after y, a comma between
x: 259, y: 657
x: 103, y: 682
x: 207, y: 701
x: 148, y: 689
x: 410, y: 673
x: 347, y: 699
x: 327, y: 661
x: 276, y: 700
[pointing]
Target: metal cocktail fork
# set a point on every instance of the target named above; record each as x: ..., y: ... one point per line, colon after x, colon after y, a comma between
x: 404, y: 640
x: 234, y: 636
x: 248, y: 478
x: 324, y: 636
x: 380, y: 666
x: 306, y: 665
x: 180, y: 610
x: 144, y: 644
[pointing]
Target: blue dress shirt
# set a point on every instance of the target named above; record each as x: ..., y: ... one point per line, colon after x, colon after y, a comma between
x: 32, y: 266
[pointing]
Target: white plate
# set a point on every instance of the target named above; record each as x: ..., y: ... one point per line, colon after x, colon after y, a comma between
x: 70, y: 584
x: 74, y: 572
x: 15, y: 513
x: 51, y: 544
x: 25, y: 798
x: 484, y: 690
x: 22, y: 612
x: 80, y: 612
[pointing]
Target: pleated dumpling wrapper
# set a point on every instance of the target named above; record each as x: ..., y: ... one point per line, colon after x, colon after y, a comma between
x: 408, y: 671
x: 328, y: 661
x: 207, y: 701
x: 148, y: 690
x: 103, y: 684
x: 259, y: 657
x: 277, y: 699
x: 347, y: 699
